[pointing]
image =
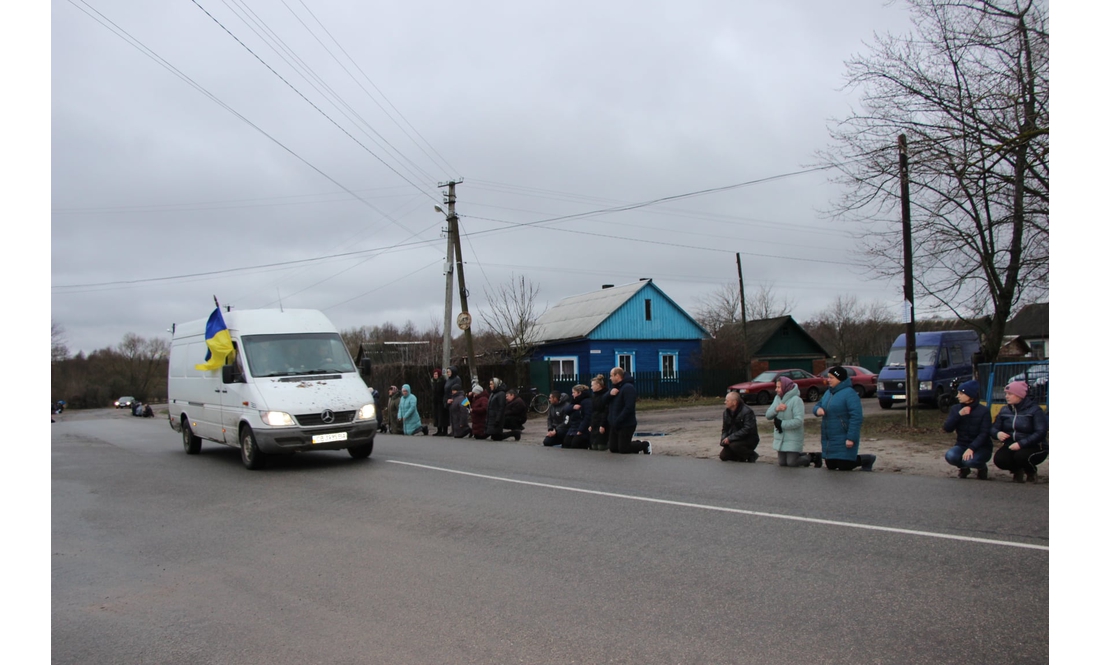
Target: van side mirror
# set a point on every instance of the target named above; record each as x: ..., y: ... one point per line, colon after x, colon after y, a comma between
x: 364, y: 366
x: 230, y: 374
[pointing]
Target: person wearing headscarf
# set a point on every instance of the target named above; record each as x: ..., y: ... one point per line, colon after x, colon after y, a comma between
x: 407, y: 413
x: 970, y: 421
x: 479, y: 412
x: 841, y: 416
x: 392, y: 406
x: 788, y: 413
x: 1021, y: 427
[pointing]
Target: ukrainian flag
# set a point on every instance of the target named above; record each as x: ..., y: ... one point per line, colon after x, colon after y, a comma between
x: 219, y: 350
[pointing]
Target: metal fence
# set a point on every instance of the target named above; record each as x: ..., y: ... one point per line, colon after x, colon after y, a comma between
x: 993, y: 378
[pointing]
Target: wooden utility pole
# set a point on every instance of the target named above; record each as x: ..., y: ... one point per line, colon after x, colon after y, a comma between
x: 449, y: 270
x: 911, y: 386
x: 464, y: 319
x: 744, y: 321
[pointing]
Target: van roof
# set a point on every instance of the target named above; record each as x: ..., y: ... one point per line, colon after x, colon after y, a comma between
x: 934, y: 337
x: 263, y: 322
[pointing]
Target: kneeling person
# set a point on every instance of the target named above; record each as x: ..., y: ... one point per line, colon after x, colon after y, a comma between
x: 739, y: 434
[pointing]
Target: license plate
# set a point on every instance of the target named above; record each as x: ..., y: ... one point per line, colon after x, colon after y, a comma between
x: 902, y: 397
x: 328, y: 438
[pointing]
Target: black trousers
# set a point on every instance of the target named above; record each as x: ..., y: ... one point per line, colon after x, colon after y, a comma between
x: 621, y: 441
x: 1024, y: 459
x: 442, y: 417
x: 738, y: 451
x: 844, y: 464
x: 576, y: 441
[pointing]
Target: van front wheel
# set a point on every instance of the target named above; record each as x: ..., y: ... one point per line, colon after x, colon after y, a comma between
x: 192, y: 444
x: 251, y: 455
x: 363, y: 451
x: 885, y: 403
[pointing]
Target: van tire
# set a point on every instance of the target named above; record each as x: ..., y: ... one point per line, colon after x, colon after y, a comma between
x: 192, y: 445
x: 251, y: 455
x: 363, y: 451
x: 885, y: 403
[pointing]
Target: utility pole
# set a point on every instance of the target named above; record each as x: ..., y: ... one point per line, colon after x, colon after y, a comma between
x: 911, y: 386
x: 744, y: 321
x: 449, y: 271
x: 464, y: 318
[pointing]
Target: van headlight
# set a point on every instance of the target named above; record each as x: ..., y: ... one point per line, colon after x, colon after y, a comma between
x: 881, y: 386
x: 276, y: 418
x: 925, y: 385
x: 366, y: 412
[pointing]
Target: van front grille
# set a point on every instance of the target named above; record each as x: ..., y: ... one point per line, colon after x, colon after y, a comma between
x: 314, y: 419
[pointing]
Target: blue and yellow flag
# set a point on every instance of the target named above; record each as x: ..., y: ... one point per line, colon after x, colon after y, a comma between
x: 219, y: 350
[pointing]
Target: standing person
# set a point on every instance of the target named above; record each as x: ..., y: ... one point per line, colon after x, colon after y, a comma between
x: 557, y: 420
x: 970, y: 421
x: 841, y: 416
x: 622, y: 417
x: 515, y: 413
x: 439, y: 403
x: 788, y: 413
x: 460, y: 413
x: 739, y: 434
x: 494, y: 418
x: 579, y: 418
x: 597, y: 426
x: 479, y: 412
x: 407, y: 414
x: 394, y: 403
x: 1021, y: 427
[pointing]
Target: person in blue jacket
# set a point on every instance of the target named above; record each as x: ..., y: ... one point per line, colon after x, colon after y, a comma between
x: 841, y: 416
x: 970, y: 421
x: 407, y: 414
x: 1021, y: 427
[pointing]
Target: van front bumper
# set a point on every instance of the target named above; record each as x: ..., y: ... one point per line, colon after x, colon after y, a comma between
x: 284, y: 440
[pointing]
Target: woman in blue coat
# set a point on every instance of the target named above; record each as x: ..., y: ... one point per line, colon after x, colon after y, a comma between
x: 1021, y: 427
x: 407, y: 414
x: 841, y: 416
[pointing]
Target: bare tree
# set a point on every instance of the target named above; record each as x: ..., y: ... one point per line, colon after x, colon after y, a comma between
x: 850, y: 328
x: 58, y: 349
x: 511, y: 315
x: 722, y: 306
x: 142, y: 361
x: 969, y: 87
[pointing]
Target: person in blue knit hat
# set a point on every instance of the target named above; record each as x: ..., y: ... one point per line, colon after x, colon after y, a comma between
x: 971, y: 423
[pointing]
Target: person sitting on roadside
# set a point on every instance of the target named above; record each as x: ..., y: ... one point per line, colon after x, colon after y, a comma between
x: 970, y: 421
x: 788, y: 413
x: 597, y: 426
x: 739, y: 435
x: 841, y: 416
x: 515, y: 413
x: 557, y: 420
x: 479, y: 412
x: 147, y: 411
x: 1021, y: 427
x: 579, y: 418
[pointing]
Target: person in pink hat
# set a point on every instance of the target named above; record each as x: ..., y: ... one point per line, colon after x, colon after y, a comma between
x: 1021, y: 427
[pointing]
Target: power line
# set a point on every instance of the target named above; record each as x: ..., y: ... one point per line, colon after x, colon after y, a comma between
x: 310, y: 102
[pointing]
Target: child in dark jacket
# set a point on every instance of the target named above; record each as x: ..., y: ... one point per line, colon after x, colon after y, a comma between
x: 579, y: 418
x: 970, y: 421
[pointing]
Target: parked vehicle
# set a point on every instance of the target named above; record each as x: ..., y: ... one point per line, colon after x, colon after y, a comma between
x: 293, y: 387
x: 124, y: 402
x: 942, y: 356
x: 864, y: 381
x: 762, y: 387
x: 1035, y: 375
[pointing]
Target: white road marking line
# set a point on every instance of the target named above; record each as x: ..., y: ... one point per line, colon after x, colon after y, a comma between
x: 739, y: 511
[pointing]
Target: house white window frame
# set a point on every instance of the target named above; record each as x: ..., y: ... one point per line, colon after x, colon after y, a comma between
x: 558, y: 359
x: 675, y: 355
x: 633, y: 355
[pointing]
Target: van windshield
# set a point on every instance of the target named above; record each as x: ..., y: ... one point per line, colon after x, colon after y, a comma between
x: 293, y: 354
x: 926, y: 355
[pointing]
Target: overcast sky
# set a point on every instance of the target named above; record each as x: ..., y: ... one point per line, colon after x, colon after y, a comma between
x: 163, y: 191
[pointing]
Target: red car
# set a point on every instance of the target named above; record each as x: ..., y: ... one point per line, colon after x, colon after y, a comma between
x: 864, y: 381
x: 761, y: 389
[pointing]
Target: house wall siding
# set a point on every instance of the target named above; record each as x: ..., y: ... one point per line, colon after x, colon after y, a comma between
x: 598, y: 357
x: 667, y: 321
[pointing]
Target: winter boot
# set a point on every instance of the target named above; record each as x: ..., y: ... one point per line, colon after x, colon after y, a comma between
x: 815, y: 459
x: 866, y: 461
x: 983, y: 473
x: 1032, y: 477
x: 964, y: 472
x: 1018, y: 476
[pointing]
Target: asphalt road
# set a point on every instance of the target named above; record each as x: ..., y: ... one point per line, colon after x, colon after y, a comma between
x: 460, y: 551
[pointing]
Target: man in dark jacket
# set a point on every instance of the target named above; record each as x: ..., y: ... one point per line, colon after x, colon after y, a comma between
x: 580, y: 416
x: 621, y: 416
x: 970, y: 421
x: 439, y: 403
x: 739, y: 434
x: 557, y: 419
x: 494, y: 418
x: 515, y: 414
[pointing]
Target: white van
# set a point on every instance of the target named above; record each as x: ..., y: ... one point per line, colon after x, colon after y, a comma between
x: 292, y: 388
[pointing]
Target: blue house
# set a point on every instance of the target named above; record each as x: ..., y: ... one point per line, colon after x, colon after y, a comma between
x: 636, y: 327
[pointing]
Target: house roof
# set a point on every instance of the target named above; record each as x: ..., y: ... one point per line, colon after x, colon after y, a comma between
x: 760, y: 331
x: 577, y: 316
x: 1031, y: 321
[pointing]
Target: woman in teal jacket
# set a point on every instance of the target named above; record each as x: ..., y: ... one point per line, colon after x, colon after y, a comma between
x: 407, y: 413
x: 787, y: 413
x: 841, y: 416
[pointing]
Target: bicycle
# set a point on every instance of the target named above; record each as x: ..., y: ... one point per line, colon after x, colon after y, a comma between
x: 536, y: 401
